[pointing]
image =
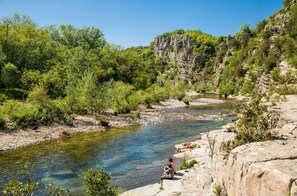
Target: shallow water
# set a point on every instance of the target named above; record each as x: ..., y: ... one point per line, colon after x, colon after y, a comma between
x: 134, y: 156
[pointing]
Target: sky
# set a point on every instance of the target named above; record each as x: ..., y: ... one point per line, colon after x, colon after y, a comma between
x: 138, y: 22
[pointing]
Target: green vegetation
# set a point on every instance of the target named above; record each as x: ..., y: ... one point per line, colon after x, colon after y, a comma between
x: 97, y: 183
x: 254, y: 125
x: 54, y: 73
x: 16, y: 187
x: 187, y: 165
x: 52, y: 190
x: 218, y: 190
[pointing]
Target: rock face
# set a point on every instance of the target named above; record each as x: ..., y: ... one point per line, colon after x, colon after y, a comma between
x: 178, y: 49
x: 257, y: 169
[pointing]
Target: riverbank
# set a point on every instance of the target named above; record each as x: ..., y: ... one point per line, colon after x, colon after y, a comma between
x: 153, y: 115
x: 259, y: 168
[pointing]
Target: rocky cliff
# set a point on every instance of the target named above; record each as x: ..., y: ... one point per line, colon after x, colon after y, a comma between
x: 239, y: 64
x: 184, y: 53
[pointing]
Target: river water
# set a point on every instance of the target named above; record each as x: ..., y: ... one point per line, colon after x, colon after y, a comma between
x: 135, y: 156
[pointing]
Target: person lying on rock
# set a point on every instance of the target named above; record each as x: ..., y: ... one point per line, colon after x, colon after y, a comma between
x: 168, y: 173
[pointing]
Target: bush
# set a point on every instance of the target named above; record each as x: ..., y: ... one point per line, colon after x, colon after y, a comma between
x: 52, y: 190
x: 187, y: 165
x: 97, y: 182
x: 26, y: 114
x: 254, y: 124
x: 118, y: 94
x: 38, y: 96
x: 187, y: 100
x: 178, y: 91
x: 218, y: 190
x: 16, y: 187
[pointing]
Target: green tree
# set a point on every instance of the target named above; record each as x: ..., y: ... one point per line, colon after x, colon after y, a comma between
x: 97, y: 182
x: 118, y: 94
x: 244, y: 35
x: 10, y: 75
x: 38, y: 96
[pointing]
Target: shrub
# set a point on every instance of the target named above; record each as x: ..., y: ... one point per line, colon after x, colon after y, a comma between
x: 187, y: 165
x: 26, y: 114
x: 247, y: 87
x: 254, y: 124
x: 118, y: 96
x: 16, y: 187
x: 178, y: 91
x: 187, y: 100
x: 97, y: 182
x: 52, y: 190
x: 38, y: 96
x: 218, y: 190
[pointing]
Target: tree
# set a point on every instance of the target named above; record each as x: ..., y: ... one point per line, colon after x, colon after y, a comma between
x: 86, y: 37
x: 118, y: 94
x: 85, y: 95
x: 10, y: 75
x: 38, y: 96
x: 97, y: 182
x: 244, y: 35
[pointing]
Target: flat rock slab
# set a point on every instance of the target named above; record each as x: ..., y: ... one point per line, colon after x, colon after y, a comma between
x: 170, y: 187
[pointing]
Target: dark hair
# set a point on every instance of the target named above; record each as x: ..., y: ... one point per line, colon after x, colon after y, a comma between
x: 170, y: 159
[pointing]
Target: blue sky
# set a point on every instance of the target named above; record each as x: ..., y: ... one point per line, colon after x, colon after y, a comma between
x: 138, y: 22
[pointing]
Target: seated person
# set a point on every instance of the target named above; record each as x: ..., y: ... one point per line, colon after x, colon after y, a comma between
x: 170, y: 161
x: 168, y: 173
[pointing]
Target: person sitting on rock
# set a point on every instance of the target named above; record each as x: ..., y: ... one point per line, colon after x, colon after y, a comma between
x: 168, y: 173
x: 170, y: 161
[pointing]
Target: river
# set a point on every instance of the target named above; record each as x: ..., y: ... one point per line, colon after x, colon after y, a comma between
x: 134, y: 156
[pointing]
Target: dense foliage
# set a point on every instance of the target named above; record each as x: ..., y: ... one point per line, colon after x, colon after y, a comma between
x: 52, y: 73
x: 97, y: 183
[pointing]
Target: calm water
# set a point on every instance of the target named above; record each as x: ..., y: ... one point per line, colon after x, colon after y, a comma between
x: 135, y: 156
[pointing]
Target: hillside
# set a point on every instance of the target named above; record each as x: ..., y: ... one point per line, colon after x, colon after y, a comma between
x: 260, y: 60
